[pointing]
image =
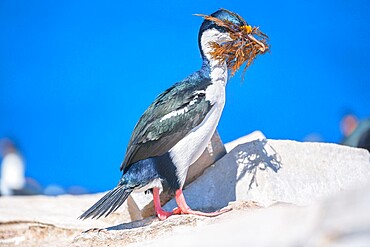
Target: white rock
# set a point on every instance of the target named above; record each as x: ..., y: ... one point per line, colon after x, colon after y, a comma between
x: 338, y: 221
x: 59, y: 211
x: 255, y: 135
x: 278, y: 171
x: 317, y: 174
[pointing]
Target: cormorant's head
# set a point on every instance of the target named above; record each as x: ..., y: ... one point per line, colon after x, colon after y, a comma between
x: 226, y: 36
x: 223, y: 15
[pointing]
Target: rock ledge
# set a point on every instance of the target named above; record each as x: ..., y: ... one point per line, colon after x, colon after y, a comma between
x: 283, y: 193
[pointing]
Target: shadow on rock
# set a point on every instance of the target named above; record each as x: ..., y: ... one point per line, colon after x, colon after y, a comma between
x: 256, y: 156
x: 133, y: 225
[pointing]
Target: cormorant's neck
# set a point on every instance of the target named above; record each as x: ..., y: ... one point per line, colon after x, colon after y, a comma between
x: 206, y: 68
x: 215, y: 70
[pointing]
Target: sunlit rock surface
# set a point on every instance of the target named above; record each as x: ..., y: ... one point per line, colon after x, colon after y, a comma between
x: 283, y: 193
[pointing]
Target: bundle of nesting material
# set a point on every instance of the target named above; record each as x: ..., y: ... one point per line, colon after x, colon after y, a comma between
x: 245, y: 44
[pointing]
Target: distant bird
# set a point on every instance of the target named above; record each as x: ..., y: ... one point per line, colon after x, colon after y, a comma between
x: 176, y: 128
x: 12, y: 174
x: 356, y: 132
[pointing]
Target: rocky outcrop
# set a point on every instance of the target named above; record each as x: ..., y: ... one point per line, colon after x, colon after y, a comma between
x: 269, y: 171
x: 283, y: 193
x: 340, y: 220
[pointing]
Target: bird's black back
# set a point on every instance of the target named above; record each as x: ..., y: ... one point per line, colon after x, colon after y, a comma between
x: 154, y: 136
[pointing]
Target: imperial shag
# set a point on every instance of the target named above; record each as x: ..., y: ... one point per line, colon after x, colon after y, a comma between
x: 176, y: 128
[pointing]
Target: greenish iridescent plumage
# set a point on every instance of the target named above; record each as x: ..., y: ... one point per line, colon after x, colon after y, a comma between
x: 153, y: 136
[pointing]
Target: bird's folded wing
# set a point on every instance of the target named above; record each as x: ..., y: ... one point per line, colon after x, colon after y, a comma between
x: 168, y: 119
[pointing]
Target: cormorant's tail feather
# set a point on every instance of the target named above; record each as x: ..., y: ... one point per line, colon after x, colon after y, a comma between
x: 109, y: 203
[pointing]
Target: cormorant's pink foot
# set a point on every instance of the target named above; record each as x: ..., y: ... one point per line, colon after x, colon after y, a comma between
x: 182, y: 208
x: 185, y: 209
x: 162, y: 215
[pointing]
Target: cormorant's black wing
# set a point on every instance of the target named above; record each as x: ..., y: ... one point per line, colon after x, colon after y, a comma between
x: 172, y: 115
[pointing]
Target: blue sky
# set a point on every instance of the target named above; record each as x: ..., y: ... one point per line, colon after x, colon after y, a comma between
x: 75, y: 76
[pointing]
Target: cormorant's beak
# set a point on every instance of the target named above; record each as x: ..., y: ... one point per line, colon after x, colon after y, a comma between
x: 247, y: 33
